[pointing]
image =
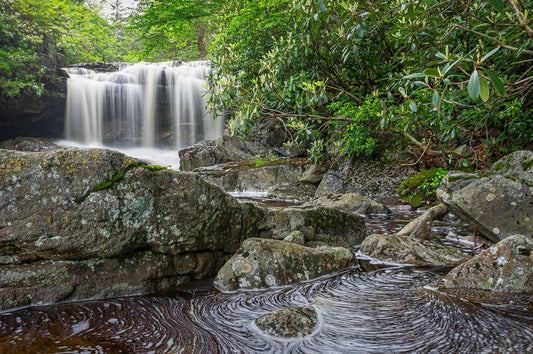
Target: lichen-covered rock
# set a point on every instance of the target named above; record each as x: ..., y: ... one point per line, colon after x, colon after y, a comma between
x: 73, y: 206
x: 290, y: 322
x: 351, y: 202
x: 408, y: 250
x: 28, y: 144
x: 377, y: 180
x: 295, y: 237
x: 318, y: 224
x: 314, y: 174
x: 254, y: 175
x: 262, y: 263
x: 506, y: 267
x: 214, y: 152
x: 498, y: 203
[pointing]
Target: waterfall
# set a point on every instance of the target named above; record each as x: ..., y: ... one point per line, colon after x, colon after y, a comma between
x: 156, y: 105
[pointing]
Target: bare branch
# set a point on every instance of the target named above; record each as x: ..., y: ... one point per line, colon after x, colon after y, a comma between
x: 521, y: 20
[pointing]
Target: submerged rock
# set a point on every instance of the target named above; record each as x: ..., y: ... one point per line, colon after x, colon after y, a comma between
x: 262, y: 263
x: 73, y: 214
x: 408, y: 250
x: 289, y: 322
x: 498, y: 203
x: 506, y: 267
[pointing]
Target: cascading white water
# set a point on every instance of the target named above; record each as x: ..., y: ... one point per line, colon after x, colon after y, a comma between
x: 159, y: 105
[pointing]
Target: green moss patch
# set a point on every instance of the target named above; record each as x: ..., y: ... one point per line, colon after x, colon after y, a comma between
x: 527, y: 164
x: 421, y: 187
x: 115, y: 178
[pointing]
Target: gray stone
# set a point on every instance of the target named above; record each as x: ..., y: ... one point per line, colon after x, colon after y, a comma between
x: 377, y: 180
x: 295, y: 237
x: 262, y: 263
x: 408, y: 250
x: 29, y: 144
x: 314, y: 174
x: 318, y: 224
x: 214, y: 152
x: 351, y: 202
x: 498, y: 203
x: 506, y: 267
x: 290, y: 322
x: 253, y: 175
x: 96, y: 206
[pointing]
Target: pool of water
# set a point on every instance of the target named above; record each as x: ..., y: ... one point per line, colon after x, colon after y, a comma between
x: 369, y: 309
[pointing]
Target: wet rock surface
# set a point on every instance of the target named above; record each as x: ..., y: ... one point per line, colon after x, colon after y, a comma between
x: 351, y: 202
x: 499, y: 202
x: 408, y: 250
x: 288, y: 322
x: 506, y: 267
x: 262, y: 263
x: 72, y: 214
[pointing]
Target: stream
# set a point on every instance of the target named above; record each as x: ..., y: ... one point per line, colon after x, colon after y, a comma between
x: 369, y: 309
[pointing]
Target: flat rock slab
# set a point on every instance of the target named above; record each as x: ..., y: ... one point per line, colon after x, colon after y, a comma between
x: 506, y: 267
x: 408, y: 250
x: 262, y: 263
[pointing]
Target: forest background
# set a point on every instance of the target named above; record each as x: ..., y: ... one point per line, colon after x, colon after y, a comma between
x: 339, y: 76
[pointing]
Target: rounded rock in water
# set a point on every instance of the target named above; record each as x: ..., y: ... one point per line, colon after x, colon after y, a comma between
x: 289, y: 322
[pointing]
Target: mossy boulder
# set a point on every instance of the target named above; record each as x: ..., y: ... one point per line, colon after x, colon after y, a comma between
x: 421, y: 187
x: 81, y: 207
x: 262, y: 263
x: 499, y: 202
x: 506, y: 267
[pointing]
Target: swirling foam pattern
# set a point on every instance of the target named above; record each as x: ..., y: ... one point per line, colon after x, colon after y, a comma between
x: 383, y: 311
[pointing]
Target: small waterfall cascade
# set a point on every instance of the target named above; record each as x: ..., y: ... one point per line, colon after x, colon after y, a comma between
x: 145, y: 105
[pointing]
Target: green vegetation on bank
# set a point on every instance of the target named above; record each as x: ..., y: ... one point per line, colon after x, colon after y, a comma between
x: 340, y: 76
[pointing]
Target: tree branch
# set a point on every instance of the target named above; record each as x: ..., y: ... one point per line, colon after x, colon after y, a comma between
x: 521, y: 20
x: 496, y: 40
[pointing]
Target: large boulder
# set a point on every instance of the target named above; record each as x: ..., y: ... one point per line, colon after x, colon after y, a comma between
x: 262, y: 263
x: 255, y: 175
x: 319, y: 225
x: 409, y: 250
x: 374, y: 179
x: 289, y: 322
x: 70, y: 215
x: 506, y: 267
x: 214, y: 152
x: 499, y: 202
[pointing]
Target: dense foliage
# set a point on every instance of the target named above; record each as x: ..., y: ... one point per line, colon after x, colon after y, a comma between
x: 33, y: 30
x: 340, y: 73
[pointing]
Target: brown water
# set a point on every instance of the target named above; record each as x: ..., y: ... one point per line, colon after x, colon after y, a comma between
x: 387, y: 310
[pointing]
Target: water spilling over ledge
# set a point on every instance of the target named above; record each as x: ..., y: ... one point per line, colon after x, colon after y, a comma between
x: 140, y: 107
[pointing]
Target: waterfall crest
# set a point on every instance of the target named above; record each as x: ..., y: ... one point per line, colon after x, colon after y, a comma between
x: 149, y: 105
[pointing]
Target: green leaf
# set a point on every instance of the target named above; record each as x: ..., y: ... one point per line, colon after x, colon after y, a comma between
x: 413, y: 107
x: 416, y: 75
x: 484, y: 89
x: 402, y: 91
x: 498, y: 84
x: 360, y: 31
x: 436, y: 99
x: 473, y: 85
x: 497, y: 4
x: 489, y: 54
